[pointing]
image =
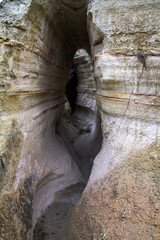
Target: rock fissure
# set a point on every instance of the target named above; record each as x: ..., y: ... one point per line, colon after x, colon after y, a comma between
x: 88, y: 169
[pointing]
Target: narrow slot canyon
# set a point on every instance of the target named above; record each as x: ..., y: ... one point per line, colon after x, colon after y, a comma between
x: 59, y: 143
x: 80, y: 131
x: 79, y: 120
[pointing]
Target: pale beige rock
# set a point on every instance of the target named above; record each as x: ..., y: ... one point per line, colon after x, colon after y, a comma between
x: 121, y: 200
x: 35, y: 53
x: 38, y: 40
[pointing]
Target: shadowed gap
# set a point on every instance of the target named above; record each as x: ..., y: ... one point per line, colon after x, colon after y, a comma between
x: 71, y: 88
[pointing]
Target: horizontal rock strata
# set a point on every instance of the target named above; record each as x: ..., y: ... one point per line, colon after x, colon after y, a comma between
x: 42, y: 175
x: 121, y: 200
x: 37, y: 45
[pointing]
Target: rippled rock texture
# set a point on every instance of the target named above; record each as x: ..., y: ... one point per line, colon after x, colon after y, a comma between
x: 37, y: 43
x: 45, y: 163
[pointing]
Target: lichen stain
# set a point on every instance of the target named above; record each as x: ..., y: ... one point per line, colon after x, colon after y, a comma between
x: 10, y: 157
x: 16, y: 212
x: 15, y: 207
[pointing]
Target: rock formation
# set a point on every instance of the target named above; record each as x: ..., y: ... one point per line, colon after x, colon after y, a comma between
x: 48, y: 186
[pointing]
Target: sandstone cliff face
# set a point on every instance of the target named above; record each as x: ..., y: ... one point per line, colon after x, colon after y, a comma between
x: 36, y: 56
x: 122, y: 198
x: 44, y: 164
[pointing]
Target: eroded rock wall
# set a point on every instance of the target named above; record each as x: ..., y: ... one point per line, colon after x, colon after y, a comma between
x: 38, y: 40
x: 122, y: 198
x: 35, y: 58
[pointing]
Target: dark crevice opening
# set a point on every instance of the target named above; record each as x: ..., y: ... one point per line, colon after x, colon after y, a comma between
x: 71, y: 88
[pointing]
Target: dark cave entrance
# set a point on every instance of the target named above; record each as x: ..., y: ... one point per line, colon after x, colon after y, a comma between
x: 71, y: 88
